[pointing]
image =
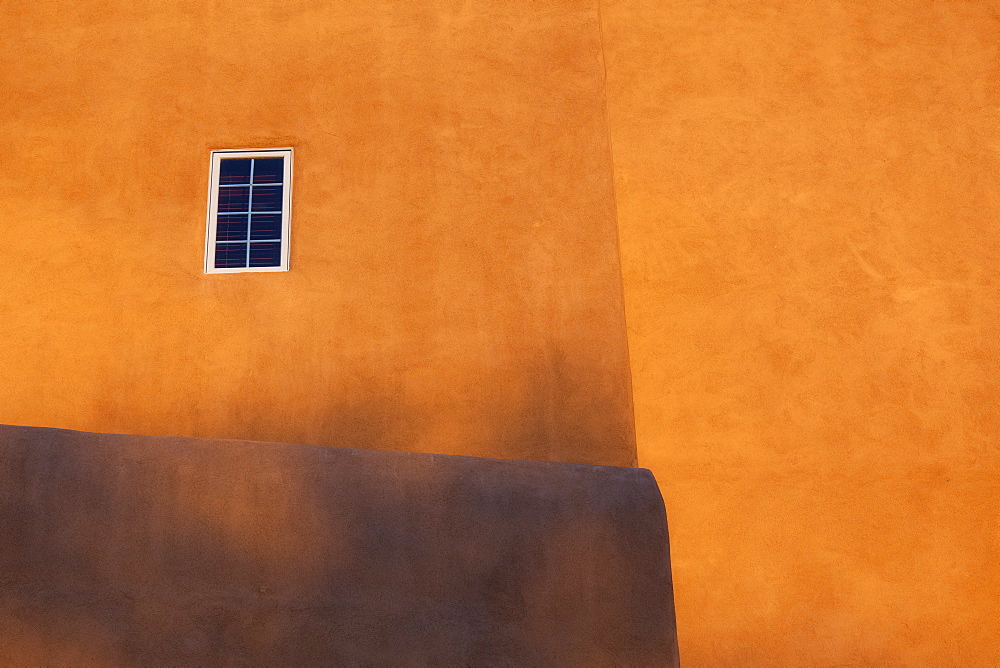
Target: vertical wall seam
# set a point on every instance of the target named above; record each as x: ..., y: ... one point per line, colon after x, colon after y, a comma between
x: 618, y: 244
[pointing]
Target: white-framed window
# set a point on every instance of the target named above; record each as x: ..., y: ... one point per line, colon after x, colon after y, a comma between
x: 249, y: 210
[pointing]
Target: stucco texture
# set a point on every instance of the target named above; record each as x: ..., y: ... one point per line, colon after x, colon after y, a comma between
x: 808, y: 206
x: 152, y: 551
x: 454, y: 282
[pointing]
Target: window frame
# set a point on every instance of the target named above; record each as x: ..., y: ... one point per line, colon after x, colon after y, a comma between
x: 213, y: 207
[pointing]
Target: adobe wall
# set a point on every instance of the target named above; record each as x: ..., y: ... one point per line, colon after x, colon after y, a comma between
x: 809, y: 206
x: 133, y: 550
x: 454, y: 282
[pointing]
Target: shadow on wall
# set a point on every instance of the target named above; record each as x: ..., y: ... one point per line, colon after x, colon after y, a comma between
x: 563, y: 407
x: 147, y: 550
x: 552, y: 407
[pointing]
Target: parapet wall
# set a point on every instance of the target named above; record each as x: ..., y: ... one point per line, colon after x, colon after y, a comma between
x: 150, y: 550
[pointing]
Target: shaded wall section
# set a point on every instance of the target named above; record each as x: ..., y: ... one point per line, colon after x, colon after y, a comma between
x: 454, y: 280
x: 809, y: 208
x: 131, y: 550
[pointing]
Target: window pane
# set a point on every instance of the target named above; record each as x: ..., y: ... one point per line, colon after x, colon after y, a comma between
x: 267, y: 254
x: 234, y: 199
x: 234, y: 171
x: 265, y: 198
x: 268, y: 170
x: 265, y: 226
x: 248, y: 213
x: 230, y: 255
x: 231, y: 228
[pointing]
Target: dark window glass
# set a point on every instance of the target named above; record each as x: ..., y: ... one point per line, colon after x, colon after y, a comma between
x: 265, y: 198
x: 265, y: 226
x: 234, y: 199
x: 249, y: 213
x: 268, y: 170
x: 234, y: 171
x: 231, y: 228
x: 230, y: 255
x: 265, y: 254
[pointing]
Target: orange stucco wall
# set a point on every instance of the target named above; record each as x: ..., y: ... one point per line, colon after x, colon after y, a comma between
x: 454, y: 282
x: 809, y: 210
x: 807, y: 201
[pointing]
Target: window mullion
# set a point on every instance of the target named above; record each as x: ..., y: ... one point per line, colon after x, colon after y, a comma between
x: 250, y: 210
